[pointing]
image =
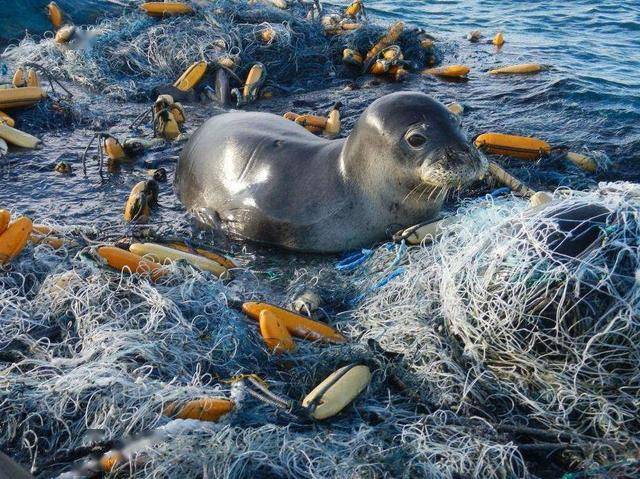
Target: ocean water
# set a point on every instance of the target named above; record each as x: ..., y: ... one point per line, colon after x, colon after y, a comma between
x: 588, y: 99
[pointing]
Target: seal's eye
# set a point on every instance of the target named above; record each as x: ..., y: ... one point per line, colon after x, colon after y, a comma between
x: 416, y: 140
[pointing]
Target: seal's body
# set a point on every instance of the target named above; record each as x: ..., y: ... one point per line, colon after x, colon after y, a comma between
x: 260, y: 177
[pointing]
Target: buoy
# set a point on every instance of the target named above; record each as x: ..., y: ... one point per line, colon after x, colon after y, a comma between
x: 308, y: 302
x: 351, y: 57
x: 223, y: 260
x: 296, y: 324
x: 268, y: 35
x: 125, y: 261
x: 388, y: 57
x: 354, y: 9
x: 4, y: 118
x: 451, y: 71
x: 163, y: 102
x: 20, y: 97
x: 55, y: 15
x: 275, y: 334
x: 332, y: 126
x: 337, y: 391
x: 32, y: 78
x: 509, y: 180
x: 111, y: 460
x: 474, y: 36
x: 191, y: 77
x: 137, y: 207
x: 19, y: 79
x: 177, y: 110
x: 349, y: 26
x: 159, y: 175
x: 397, y: 72
x: 167, y: 126
x: 162, y: 9
x: 517, y: 69
x: 205, y: 409
x: 584, y: 162
x: 455, y: 108
x: 255, y: 79
x: 511, y: 145
x: 540, y: 198
x: 498, y: 40
x: 227, y: 62
x: 427, y: 232
x: 17, y: 137
x: 52, y: 241
x: 43, y: 229
x: 14, y: 239
x: 426, y: 43
x: 302, y: 121
x: 389, y: 39
x: 5, y: 219
x: 63, y: 168
x: 162, y: 253
x: 113, y: 148
x: 65, y: 34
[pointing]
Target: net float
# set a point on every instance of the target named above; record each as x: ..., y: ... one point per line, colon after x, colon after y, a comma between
x: 205, y: 409
x: 20, y: 97
x: 160, y: 253
x: 65, y: 34
x: 191, y: 76
x: 17, y: 137
x: 14, y: 239
x: 125, y: 261
x: 274, y: 333
x: 19, y: 79
x: 162, y: 9
x: 55, y: 15
x: 522, y: 68
x: 5, y: 219
x: 218, y: 258
x: 451, y: 71
x: 337, y: 391
x: 297, y: 325
x: 4, y: 118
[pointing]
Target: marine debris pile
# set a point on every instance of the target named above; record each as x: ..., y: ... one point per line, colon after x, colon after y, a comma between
x: 95, y: 357
x: 127, y: 57
x: 508, y: 346
x: 528, y: 315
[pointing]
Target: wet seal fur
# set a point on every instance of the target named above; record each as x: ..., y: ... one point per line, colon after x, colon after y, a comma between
x: 260, y: 177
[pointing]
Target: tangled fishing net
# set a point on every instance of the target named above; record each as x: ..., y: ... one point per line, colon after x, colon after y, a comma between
x: 126, y: 57
x: 520, y: 316
x: 89, y: 354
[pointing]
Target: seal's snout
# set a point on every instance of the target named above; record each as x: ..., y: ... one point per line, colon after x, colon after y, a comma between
x: 451, y: 165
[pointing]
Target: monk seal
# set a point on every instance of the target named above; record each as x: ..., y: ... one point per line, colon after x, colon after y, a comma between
x: 260, y: 177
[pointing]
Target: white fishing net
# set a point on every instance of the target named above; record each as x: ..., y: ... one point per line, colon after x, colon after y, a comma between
x: 471, y: 368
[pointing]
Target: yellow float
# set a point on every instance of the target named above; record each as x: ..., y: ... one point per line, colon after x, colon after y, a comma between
x: 20, y: 97
x: 191, y: 76
x: 337, y: 391
x: 161, y: 254
x: 162, y: 9
x: 451, y: 71
x: 14, y: 239
x: 274, y: 333
x: 296, y: 324
x: 517, y: 69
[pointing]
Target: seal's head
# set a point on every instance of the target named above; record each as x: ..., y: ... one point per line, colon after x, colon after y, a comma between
x: 418, y: 141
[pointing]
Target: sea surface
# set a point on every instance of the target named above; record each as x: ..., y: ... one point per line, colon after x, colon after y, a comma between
x: 588, y: 99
